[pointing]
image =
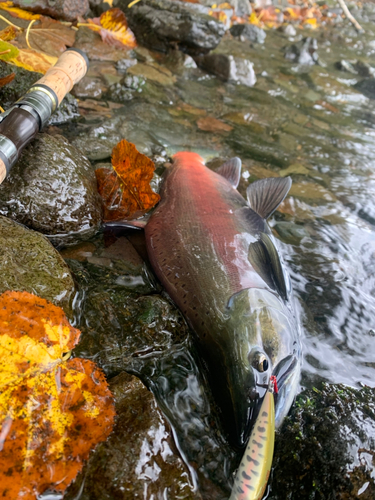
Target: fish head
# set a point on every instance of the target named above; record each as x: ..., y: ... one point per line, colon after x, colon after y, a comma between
x: 265, y: 342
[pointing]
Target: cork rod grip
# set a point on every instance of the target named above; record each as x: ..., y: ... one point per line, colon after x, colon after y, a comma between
x: 3, y: 171
x: 68, y: 70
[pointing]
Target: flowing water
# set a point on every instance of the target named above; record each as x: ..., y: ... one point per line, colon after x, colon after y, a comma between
x: 309, y: 122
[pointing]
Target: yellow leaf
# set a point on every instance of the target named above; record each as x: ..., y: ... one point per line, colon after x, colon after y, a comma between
x: 16, y: 12
x: 52, y: 410
x: 113, y: 29
x: 8, y: 34
x: 33, y: 61
x: 8, y: 51
x: 312, y: 22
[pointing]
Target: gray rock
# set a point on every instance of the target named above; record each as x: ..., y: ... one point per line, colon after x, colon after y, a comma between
x: 89, y: 88
x: 303, y: 52
x: 19, y: 86
x: 290, y: 30
x: 364, y: 69
x: 139, y: 456
x: 28, y: 262
x: 68, y: 10
x: 164, y: 24
x: 367, y: 87
x: 124, y: 64
x: 66, y: 112
x: 229, y: 68
x: 242, y: 8
x: 249, y: 32
x: 52, y: 189
x: 347, y: 66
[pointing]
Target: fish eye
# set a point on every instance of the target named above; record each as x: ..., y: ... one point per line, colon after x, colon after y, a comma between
x: 260, y: 362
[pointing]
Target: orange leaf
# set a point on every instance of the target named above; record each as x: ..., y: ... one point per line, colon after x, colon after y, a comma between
x: 126, y: 192
x: 8, y: 34
x: 7, y: 79
x: 52, y: 411
x: 113, y: 29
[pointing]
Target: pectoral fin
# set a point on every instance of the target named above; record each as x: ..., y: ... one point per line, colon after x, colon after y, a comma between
x: 231, y: 170
x: 277, y: 269
x: 265, y: 196
x: 265, y: 259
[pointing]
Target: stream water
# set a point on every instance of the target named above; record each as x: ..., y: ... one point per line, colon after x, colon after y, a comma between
x: 309, y: 122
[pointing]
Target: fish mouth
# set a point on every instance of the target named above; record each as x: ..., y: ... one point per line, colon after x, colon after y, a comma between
x: 246, y: 404
x: 287, y: 373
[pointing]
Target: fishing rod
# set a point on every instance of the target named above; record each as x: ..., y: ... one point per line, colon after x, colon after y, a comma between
x: 26, y: 118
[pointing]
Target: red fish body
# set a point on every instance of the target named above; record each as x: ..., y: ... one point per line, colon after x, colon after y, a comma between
x: 210, y: 251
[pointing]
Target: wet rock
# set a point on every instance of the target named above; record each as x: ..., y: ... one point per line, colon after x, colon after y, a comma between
x: 88, y: 87
x: 312, y: 192
x: 325, y: 449
x: 364, y: 69
x: 289, y: 30
x: 228, y: 68
x: 19, y: 86
x: 52, y: 189
x: 140, y: 458
x: 28, y: 262
x: 92, y: 44
x: 153, y: 72
x: 367, y: 87
x: 67, y: 10
x: 124, y: 64
x: 347, y: 66
x: 290, y: 233
x: 67, y: 111
x: 242, y: 8
x: 248, y: 32
x: 167, y: 24
x: 303, y: 52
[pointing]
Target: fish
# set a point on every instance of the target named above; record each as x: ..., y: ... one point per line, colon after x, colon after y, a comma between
x: 216, y: 257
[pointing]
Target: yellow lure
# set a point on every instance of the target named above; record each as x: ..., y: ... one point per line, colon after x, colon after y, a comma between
x: 254, y: 470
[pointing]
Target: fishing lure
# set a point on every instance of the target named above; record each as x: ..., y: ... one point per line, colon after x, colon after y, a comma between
x: 252, y: 475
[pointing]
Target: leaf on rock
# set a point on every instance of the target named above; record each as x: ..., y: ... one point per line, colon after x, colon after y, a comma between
x: 7, y: 79
x: 17, y: 12
x: 126, y: 192
x: 52, y: 410
x: 48, y: 36
x: 8, y: 34
x: 113, y: 29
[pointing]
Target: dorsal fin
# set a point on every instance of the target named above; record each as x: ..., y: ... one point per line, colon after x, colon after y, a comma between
x: 265, y: 196
x: 276, y: 267
x: 231, y: 170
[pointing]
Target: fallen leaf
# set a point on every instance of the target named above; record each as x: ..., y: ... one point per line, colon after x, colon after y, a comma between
x: 48, y: 36
x: 8, y: 34
x: 113, y: 28
x: 7, y: 79
x: 7, y: 51
x: 210, y: 124
x: 17, y: 12
x: 52, y: 410
x: 33, y: 61
x: 126, y: 190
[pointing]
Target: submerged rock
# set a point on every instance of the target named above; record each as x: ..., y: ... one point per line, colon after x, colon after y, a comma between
x: 28, y: 262
x: 52, y: 189
x: 303, y: 52
x: 168, y: 24
x: 228, y: 68
x: 68, y: 10
x: 67, y: 111
x: 140, y: 458
x: 325, y: 449
x: 367, y: 87
x: 248, y: 32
